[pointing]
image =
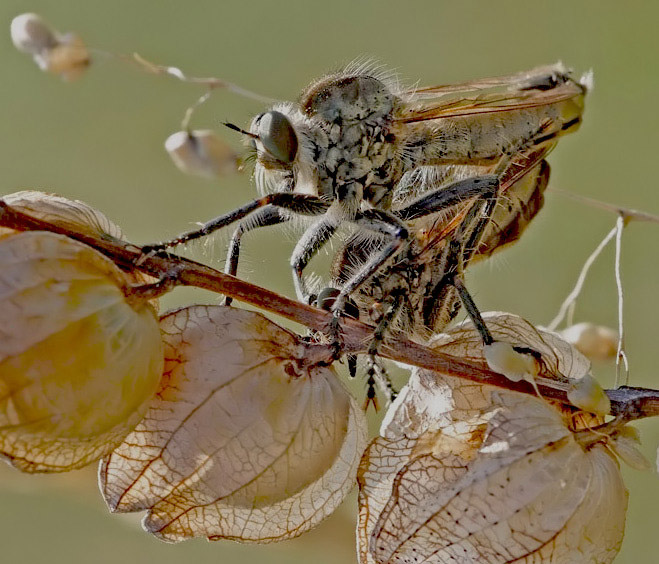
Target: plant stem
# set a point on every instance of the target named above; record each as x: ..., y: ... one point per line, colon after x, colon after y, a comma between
x: 631, y: 403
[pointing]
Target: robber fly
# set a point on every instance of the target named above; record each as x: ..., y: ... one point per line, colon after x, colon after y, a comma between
x: 346, y: 152
x: 419, y: 290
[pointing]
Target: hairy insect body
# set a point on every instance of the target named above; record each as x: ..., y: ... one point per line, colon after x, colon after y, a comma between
x: 417, y: 281
x: 360, y: 137
x: 345, y: 127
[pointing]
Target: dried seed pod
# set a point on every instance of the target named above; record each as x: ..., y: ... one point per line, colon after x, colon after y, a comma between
x: 70, y: 214
x: 69, y: 59
x: 249, y: 438
x: 62, y: 54
x: 79, y: 360
x: 201, y: 153
x: 468, y: 473
x: 31, y: 35
x: 597, y: 342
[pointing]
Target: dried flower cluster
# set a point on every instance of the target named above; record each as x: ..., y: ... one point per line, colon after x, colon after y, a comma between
x: 221, y: 424
x: 218, y: 423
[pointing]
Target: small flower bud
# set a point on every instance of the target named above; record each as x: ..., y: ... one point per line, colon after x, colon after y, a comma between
x: 69, y: 59
x: 201, y: 153
x: 595, y: 341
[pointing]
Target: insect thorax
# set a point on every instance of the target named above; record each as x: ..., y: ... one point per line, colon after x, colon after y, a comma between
x: 351, y: 136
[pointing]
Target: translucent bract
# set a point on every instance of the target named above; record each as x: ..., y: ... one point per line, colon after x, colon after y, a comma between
x: 250, y: 438
x: 470, y: 474
x: 73, y: 215
x: 64, y: 212
x: 78, y: 360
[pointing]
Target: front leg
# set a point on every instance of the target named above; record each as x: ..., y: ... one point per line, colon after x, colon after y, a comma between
x: 379, y: 223
x: 269, y: 215
x: 302, y: 204
x: 312, y: 240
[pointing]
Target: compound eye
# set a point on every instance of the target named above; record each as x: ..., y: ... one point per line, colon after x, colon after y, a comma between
x: 277, y: 135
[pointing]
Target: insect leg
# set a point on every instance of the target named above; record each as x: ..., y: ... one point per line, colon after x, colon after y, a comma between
x: 381, y: 223
x: 472, y: 310
x: 325, y: 300
x: 387, y: 224
x: 484, y: 190
x: 269, y: 215
x: 312, y: 240
x: 377, y: 376
x: 303, y: 204
x: 464, y: 245
x: 395, y: 302
x: 441, y: 303
x: 447, y: 196
x: 512, y: 357
x: 376, y: 372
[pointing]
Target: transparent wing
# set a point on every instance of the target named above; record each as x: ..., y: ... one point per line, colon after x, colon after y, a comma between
x: 521, y: 198
x: 538, y: 87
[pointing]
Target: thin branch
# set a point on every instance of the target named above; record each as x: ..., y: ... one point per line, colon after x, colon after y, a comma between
x: 631, y: 403
x: 621, y: 355
x: 210, y: 82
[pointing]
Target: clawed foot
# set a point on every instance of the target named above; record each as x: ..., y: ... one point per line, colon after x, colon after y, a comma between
x: 377, y: 377
x: 335, y: 335
x: 158, y: 248
x: 330, y: 299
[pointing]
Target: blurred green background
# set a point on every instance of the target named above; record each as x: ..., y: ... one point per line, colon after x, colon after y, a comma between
x: 101, y: 140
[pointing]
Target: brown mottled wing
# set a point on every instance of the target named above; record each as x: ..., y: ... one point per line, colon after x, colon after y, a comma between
x: 519, y: 205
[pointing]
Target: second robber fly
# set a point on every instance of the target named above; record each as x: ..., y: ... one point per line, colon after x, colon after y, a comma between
x: 348, y: 150
x: 420, y: 290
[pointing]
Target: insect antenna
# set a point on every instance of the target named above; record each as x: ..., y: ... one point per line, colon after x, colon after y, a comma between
x: 240, y: 130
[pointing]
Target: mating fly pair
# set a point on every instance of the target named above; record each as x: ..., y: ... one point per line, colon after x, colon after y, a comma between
x: 429, y: 178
